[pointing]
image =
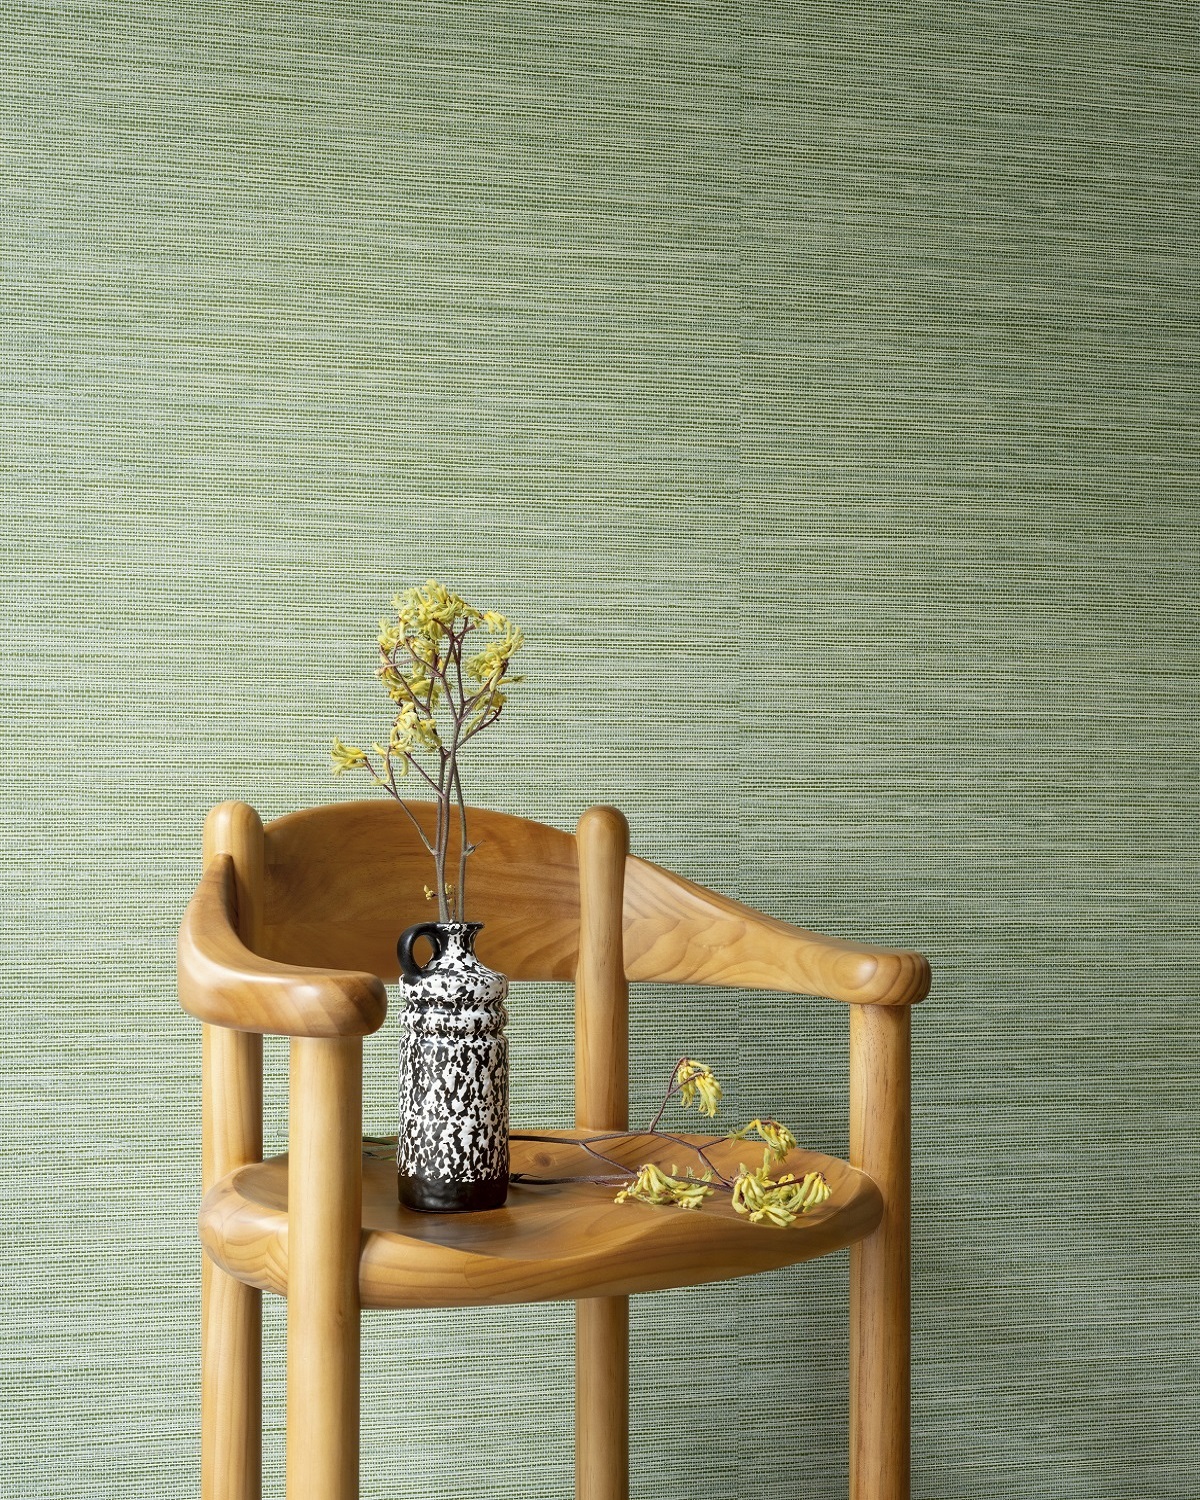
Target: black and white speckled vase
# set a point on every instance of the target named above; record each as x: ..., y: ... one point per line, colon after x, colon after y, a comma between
x: 452, y: 1150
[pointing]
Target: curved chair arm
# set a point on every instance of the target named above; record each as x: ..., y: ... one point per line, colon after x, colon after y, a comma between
x: 222, y: 982
x: 680, y: 933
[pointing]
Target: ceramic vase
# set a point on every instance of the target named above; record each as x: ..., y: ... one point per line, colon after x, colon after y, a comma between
x: 452, y: 1147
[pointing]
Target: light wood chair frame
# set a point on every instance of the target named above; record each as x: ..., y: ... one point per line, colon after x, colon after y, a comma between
x: 635, y: 922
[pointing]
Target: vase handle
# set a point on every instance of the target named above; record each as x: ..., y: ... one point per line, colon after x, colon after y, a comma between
x: 409, y: 967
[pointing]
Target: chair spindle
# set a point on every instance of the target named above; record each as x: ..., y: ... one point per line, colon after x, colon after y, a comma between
x: 880, y: 1145
x: 232, y: 1136
x: 602, y: 1103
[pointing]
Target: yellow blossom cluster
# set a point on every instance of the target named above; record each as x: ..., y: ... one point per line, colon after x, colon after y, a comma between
x: 419, y: 688
x: 443, y: 697
x: 696, y: 1080
x: 756, y: 1194
x: 347, y: 758
x: 779, y: 1138
x: 430, y: 626
x: 422, y: 651
x: 764, y: 1199
x: 653, y: 1185
x: 490, y: 663
x: 431, y: 611
x: 409, y: 732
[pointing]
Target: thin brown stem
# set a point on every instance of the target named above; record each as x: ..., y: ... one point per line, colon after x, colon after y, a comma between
x: 421, y: 664
x: 420, y: 769
x: 426, y: 703
x: 588, y: 1144
x: 483, y: 723
x: 602, y: 1156
x: 423, y: 772
x: 666, y: 1135
x: 462, y: 635
x: 445, y: 786
x: 528, y: 1178
x: 443, y: 834
x: 390, y: 788
x: 464, y: 848
x: 672, y: 1088
x: 584, y: 1145
x: 690, y: 1145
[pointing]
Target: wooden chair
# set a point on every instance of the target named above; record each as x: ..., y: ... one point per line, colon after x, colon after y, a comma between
x: 292, y: 931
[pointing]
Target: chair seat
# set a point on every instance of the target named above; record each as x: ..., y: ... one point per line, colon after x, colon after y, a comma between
x: 550, y: 1241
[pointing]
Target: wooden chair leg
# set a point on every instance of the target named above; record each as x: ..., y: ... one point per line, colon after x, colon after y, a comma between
x: 602, y: 1103
x: 602, y: 1398
x: 230, y: 1312
x: 230, y: 1387
x: 880, y: 1266
x: 324, y: 1238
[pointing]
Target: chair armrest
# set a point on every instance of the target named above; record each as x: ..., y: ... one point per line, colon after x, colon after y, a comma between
x: 680, y: 933
x: 223, y: 982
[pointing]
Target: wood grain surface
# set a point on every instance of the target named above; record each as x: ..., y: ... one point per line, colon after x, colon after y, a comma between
x: 678, y: 932
x: 342, y: 881
x: 223, y: 982
x: 323, y: 1320
x: 231, y: 1071
x: 602, y: 1103
x: 880, y: 1265
x: 548, y: 1242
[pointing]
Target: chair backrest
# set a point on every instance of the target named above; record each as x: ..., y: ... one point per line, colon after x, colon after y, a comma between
x: 341, y: 882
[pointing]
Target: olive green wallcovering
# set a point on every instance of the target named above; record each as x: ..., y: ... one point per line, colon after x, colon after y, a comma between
x: 816, y: 383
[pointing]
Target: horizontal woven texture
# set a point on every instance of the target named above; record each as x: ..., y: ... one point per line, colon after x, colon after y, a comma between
x: 817, y: 383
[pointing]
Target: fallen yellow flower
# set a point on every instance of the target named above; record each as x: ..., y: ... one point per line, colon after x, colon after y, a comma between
x: 762, y: 1198
x: 653, y: 1185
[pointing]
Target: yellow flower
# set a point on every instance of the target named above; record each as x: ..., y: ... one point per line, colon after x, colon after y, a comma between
x: 433, y: 608
x: 696, y: 1078
x: 762, y: 1198
x: 779, y: 1138
x: 425, y: 730
x: 390, y: 636
x: 347, y: 757
x: 653, y: 1185
x: 483, y: 667
x: 492, y: 661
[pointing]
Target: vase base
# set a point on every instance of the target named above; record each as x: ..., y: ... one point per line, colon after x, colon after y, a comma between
x: 441, y: 1195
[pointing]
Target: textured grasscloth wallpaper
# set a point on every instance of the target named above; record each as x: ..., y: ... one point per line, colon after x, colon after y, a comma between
x: 817, y: 383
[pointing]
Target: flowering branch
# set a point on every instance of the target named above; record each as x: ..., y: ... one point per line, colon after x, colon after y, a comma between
x: 754, y: 1192
x: 426, y: 672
